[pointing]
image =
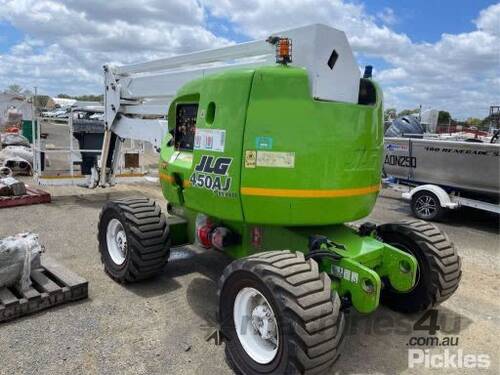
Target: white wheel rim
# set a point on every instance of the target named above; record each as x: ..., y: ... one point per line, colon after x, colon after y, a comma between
x: 256, y: 325
x: 116, y: 240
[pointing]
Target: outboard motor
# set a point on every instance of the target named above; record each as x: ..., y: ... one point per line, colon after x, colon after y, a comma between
x: 404, y: 125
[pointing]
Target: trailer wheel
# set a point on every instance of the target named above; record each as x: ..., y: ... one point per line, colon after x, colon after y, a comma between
x: 133, y: 238
x: 279, y: 315
x: 439, y: 266
x: 425, y: 205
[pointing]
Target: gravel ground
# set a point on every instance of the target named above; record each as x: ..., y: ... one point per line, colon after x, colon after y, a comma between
x: 159, y: 326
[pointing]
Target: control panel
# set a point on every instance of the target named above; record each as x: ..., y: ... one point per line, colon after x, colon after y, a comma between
x: 185, y: 126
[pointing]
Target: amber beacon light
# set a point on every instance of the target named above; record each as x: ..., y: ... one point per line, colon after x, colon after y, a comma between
x: 283, y: 49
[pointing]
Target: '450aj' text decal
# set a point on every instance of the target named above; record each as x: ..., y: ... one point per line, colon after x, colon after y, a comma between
x: 211, y: 173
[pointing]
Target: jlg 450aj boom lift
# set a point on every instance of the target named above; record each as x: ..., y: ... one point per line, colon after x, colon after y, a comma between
x: 268, y: 149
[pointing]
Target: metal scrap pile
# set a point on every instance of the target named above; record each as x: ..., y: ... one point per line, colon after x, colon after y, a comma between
x: 16, y: 156
x: 10, y: 186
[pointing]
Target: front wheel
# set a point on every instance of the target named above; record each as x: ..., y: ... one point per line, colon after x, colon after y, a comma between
x: 280, y: 315
x: 133, y: 239
x: 439, y: 266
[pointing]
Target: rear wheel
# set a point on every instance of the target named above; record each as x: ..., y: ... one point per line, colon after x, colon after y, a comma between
x: 439, y: 266
x: 133, y: 239
x: 280, y: 315
x: 425, y: 205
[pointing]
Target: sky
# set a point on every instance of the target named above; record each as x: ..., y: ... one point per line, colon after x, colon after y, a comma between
x: 440, y: 54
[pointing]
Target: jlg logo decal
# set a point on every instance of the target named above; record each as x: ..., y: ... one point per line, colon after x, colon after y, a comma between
x: 211, y: 174
x: 209, y: 164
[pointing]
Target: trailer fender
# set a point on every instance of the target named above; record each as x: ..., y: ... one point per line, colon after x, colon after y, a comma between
x: 444, y: 199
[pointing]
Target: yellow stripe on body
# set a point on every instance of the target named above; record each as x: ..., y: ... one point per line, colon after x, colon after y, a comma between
x: 167, y: 178
x: 309, y: 193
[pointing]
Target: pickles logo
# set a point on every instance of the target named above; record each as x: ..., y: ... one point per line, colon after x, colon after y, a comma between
x: 211, y: 174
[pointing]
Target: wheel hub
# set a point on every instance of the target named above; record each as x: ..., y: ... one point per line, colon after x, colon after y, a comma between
x: 116, y: 241
x: 426, y: 205
x: 256, y: 325
x: 263, y: 322
x: 121, y: 241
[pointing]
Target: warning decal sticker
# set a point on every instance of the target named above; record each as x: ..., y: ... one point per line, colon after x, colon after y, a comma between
x: 275, y: 159
x: 210, y: 139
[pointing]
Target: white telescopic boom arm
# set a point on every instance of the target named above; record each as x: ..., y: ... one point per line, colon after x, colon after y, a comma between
x: 137, y: 96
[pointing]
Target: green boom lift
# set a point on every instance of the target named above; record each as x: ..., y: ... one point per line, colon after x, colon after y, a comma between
x: 265, y: 162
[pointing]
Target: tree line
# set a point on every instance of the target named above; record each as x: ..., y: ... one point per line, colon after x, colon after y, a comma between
x: 19, y: 90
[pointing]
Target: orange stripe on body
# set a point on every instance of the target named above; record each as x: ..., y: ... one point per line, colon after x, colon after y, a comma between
x: 309, y: 193
x: 292, y: 193
x: 167, y: 178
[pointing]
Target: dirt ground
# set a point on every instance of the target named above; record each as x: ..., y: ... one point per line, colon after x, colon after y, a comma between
x: 159, y: 326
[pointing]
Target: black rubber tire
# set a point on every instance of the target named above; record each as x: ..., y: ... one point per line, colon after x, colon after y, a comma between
x: 147, y: 232
x: 306, y: 309
x: 439, y: 265
x: 436, y: 215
